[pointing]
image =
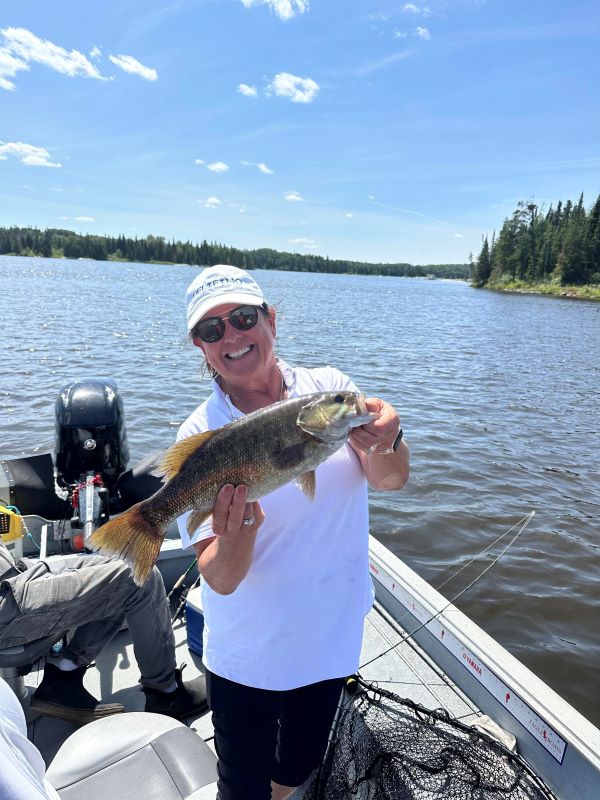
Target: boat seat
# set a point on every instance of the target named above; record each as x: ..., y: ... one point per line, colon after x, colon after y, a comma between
x: 135, y: 754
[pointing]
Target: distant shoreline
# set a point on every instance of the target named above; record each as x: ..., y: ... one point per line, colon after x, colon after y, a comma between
x: 587, y: 292
x: 59, y: 244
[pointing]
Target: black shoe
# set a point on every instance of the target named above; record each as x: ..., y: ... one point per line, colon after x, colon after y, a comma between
x: 62, y: 695
x: 187, y: 699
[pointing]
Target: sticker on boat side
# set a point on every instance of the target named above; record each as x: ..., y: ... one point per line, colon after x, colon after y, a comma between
x: 517, y: 707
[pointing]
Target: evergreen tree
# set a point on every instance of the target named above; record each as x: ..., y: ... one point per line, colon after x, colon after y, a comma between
x: 483, y: 267
x: 563, y: 245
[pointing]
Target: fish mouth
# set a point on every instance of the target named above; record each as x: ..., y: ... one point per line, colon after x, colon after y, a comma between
x: 239, y: 353
x: 362, y: 413
x: 329, y: 425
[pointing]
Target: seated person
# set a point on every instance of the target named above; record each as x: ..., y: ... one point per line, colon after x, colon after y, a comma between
x: 23, y: 768
x: 89, y: 596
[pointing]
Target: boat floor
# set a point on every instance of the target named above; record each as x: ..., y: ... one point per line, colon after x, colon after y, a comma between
x: 405, y: 670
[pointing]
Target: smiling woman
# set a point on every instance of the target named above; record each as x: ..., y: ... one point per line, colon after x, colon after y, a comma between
x: 285, y: 577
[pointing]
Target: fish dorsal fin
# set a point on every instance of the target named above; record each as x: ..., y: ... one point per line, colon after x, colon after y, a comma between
x: 195, y: 519
x: 307, y: 482
x: 178, y: 454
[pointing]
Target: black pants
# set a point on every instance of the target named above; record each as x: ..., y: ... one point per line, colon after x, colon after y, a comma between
x: 263, y: 735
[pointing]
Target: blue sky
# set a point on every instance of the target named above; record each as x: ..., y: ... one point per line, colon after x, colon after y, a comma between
x: 366, y: 129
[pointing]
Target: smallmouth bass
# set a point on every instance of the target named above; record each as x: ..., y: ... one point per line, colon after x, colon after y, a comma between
x: 263, y: 450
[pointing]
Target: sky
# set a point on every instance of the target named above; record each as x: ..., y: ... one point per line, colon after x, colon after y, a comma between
x: 368, y: 130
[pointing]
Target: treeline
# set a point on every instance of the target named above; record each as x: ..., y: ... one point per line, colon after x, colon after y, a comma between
x: 561, y: 247
x: 58, y: 243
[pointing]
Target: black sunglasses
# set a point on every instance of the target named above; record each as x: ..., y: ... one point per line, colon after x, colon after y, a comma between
x: 211, y: 329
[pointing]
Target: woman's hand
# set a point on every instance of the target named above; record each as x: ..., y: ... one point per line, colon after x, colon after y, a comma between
x: 377, y: 436
x: 384, y: 468
x: 232, y: 513
x: 224, y: 560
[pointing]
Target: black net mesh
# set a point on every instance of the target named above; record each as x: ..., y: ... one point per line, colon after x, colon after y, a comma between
x: 386, y: 747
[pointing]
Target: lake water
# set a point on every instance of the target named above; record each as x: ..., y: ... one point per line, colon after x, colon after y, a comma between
x: 499, y: 397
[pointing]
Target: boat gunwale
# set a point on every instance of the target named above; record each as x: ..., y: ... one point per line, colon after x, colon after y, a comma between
x: 581, y: 757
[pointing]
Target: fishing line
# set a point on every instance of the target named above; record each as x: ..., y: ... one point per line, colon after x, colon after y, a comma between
x: 526, y: 520
x: 523, y: 523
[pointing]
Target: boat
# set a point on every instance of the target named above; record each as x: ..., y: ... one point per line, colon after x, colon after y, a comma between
x: 418, y: 645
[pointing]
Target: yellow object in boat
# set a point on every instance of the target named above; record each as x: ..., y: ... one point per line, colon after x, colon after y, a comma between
x: 11, y: 525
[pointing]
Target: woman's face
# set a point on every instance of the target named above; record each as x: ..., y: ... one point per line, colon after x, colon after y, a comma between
x: 238, y: 355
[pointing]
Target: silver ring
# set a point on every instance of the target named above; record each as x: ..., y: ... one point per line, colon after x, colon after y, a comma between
x: 248, y: 521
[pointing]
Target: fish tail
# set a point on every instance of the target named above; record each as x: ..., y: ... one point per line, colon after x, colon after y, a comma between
x: 132, y: 537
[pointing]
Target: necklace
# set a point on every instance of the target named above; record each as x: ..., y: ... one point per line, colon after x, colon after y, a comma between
x: 229, y: 405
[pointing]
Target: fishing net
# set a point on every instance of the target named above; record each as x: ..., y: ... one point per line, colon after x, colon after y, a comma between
x: 385, y: 747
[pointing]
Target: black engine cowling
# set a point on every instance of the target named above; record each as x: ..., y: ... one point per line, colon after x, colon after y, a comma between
x: 90, y: 432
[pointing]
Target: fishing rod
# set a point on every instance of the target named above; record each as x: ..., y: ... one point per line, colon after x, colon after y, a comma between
x: 178, y: 587
x: 178, y: 583
x: 182, y: 603
x: 523, y: 523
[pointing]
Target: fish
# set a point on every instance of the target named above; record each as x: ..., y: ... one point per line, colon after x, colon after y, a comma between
x: 264, y: 450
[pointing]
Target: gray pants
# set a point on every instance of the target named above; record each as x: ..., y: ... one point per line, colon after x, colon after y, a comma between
x: 89, y: 595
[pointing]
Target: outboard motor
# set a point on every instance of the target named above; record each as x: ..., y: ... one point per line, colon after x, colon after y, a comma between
x: 90, y: 432
x: 91, y: 449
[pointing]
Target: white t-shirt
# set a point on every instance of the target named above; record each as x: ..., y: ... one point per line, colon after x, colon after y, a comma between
x: 22, y: 767
x: 298, y: 615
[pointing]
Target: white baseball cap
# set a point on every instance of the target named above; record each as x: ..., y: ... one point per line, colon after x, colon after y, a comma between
x: 217, y: 285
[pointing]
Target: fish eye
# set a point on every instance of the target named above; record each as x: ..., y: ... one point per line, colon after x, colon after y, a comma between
x: 338, y: 399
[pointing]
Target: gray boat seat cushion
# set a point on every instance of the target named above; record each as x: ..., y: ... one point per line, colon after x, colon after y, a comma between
x: 136, y: 754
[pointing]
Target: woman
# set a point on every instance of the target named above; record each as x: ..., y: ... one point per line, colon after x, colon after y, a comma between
x: 285, y: 580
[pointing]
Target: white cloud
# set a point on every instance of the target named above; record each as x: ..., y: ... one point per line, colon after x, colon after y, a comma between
x: 293, y: 197
x: 211, y: 202
x: 85, y: 219
x: 241, y: 209
x: 9, y: 66
x: 301, y: 241
x: 27, y: 154
x: 285, y: 9
x: 262, y: 167
x: 299, y: 90
x: 134, y: 67
x: 217, y: 166
x: 20, y: 47
x: 400, y: 34
x: 458, y: 236
x: 349, y: 216
x: 411, y: 8
x: 198, y: 161
x: 247, y: 91
x: 423, y: 33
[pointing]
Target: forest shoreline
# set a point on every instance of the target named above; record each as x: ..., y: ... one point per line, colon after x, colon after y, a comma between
x: 587, y: 292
